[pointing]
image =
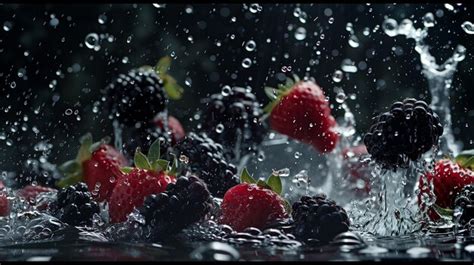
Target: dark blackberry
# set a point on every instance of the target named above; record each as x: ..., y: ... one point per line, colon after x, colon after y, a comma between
x: 136, y: 96
x: 206, y: 160
x: 318, y: 218
x: 34, y: 171
x: 402, y: 134
x: 234, y: 120
x: 465, y: 201
x: 75, y: 206
x: 183, y: 203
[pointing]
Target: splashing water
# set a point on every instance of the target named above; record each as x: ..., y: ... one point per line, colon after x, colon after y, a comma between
x: 439, y: 76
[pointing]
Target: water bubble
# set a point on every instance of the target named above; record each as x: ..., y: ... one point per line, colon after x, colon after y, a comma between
x: 337, y: 76
x: 354, y: 41
x: 125, y: 60
x: 159, y: 5
x: 102, y: 19
x: 341, y: 97
x: 390, y: 26
x: 254, y: 8
x: 13, y: 84
x: 129, y: 39
x: 261, y: 156
x: 468, y: 27
x: 297, y: 12
x: 459, y: 53
x: 215, y: 251
x: 349, y: 27
x: 250, y: 45
x: 449, y: 7
x: 54, y: 22
x: 219, y: 128
x: 68, y: 112
x: 246, y: 63
x: 300, y: 33
x: 331, y: 20
x: 298, y: 155
x: 428, y: 20
x: 348, y: 66
x: 226, y: 90
x: 92, y: 41
x: 7, y: 26
x: 184, y: 159
x: 302, y: 18
x: 284, y: 172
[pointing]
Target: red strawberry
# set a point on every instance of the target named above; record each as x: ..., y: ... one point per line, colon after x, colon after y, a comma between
x: 448, y: 177
x: 253, y: 204
x: 150, y: 176
x: 356, y: 172
x: 175, y: 127
x: 4, y: 203
x: 97, y: 164
x: 301, y: 111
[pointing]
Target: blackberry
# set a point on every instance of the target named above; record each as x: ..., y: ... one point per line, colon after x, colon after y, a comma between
x: 34, y: 171
x: 234, y: 120
x: 75, y: 206
x: 465, y: 201
x: 183, y: 203
x: 409, y: 129
x: 206, y: 160
x: 318, y: 218
x: 136, y: 96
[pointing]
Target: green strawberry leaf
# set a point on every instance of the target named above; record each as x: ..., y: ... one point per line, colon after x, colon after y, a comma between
x: 275, y: 184
x: 466, y: 159
x: 172, y: 89
x: 126, y: 170
x: 445, y: 213
x: 269, y: 107
x: 69, y: 167
x: 163, y: 65
x: 263, y: 184
x: 246, y: 178
x: 160, y: 165
x: 287, y: 206
x: 154, y: 151
x: 84, y: 152
x: 69, y: 180
x: 141, y: 161
x: 174, y: 167
x: 271, y: 92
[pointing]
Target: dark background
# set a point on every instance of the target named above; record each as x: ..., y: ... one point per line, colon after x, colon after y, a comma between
x: 47, y: 71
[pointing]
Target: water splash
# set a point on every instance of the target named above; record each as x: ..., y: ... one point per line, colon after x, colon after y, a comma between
x: 439, y: 76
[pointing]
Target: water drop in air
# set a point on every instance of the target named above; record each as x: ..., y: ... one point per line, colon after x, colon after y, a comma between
x: 250, y: 45
x: 468, y: 27
x: 300, y: 33
x: 246, y: 63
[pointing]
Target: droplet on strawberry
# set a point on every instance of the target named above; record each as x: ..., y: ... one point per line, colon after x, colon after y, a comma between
x: 300, y: 110
x: 253, y: 204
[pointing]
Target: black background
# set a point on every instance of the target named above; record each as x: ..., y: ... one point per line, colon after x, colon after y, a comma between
x: 59, y: 53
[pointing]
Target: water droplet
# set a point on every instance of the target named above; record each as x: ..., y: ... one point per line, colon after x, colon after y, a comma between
x: 297, y: 12
x: 348, y: 66
x: 429, y: 20
x: 102, y: 19
x: 337, y: 76
x: 250, y: 45
x: 353, y: 41
x: 125, y: 60
x: 468, y: 27
x: 254, y: 8
x: 449, y: 7
x: 219, y: 128
x: 300, y: 33
x: 459, y: 53
x: 129, y: 39
x: 246, y: 63
x: 159, y: 5
x: 284, y: 172
x: 297, y: 155
x: 92, y: 41
x: 331, y: 20
x: 13, y: 84
x: 184, y: 159
x: 68, y: 112
x: 390, y: 26
x: 7, y: 26
x: 226, y: 90
x: 341, y: 97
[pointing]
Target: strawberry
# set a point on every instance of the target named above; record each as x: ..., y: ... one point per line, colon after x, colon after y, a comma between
x: 4, y: 203
x: 300, y: 110
x: 97, y: 164
x: 30, y: 192
x: 150, y: 175
x: 448, y: 178
x: 253, y: 203
x: 174, y: 126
